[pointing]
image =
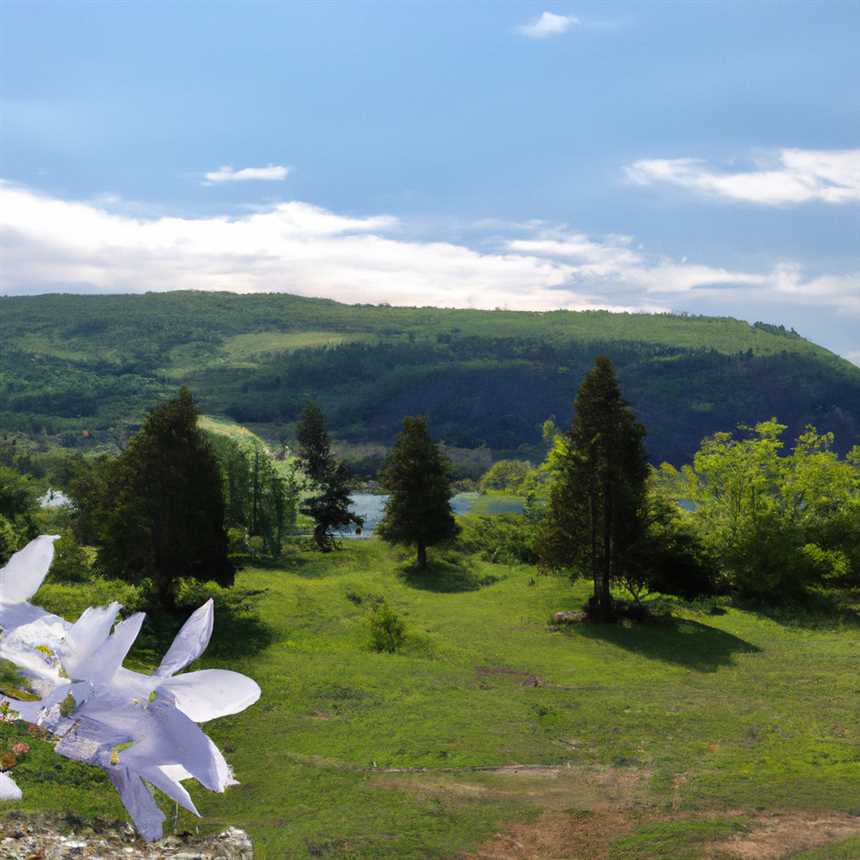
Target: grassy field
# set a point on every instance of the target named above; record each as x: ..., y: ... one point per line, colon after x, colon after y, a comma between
x: 494, y: 735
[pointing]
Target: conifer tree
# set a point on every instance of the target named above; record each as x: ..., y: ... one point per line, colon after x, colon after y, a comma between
x: 163, y: 509
x: 417, y: 474
x: 596, y: 512
x: 330, y: 479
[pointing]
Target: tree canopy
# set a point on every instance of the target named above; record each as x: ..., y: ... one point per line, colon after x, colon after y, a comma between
x: 330, y: 481
x: 162, y: 514
x: 596, y: 511
x: 417, y: 475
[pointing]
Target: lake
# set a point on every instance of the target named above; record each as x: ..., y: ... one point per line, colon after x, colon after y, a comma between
x: 371, y: 506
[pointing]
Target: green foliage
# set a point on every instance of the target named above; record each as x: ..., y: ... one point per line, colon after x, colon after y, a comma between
x: 70, y: 599
x: 193, y: 593
x: 330, y: 481
x: 162, y: 513
x: 71, y: 563
x: 387, y: 630
x: 669, y: 557
x: 417, y: 475
x: 260, y: 494
x: 776, y: 523
x: 596, y: 512
x: 505, y: 475
x: 499, y: 538
x: 84, y: 369
x: 17, y: 495
x: 8, y: 540
x: 17, y: 511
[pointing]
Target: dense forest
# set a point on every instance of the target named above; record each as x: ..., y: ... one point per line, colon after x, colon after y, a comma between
x: 83, y: 370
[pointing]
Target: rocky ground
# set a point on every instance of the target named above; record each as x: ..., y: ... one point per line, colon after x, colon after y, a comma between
x: 25, y: 837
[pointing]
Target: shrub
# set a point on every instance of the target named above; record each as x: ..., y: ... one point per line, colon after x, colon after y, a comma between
x: 505, y: 475
x: 70, y: 560
x: 387, y: 630
x: 191, y: 593
x: 500, y: 538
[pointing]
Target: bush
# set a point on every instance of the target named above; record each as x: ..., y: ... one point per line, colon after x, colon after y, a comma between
x: 505, y: 475
x: 71, y: 599
x: 500, y: 538
x: 192, y: 593
x: 387, y: 630
x: 70, y: 560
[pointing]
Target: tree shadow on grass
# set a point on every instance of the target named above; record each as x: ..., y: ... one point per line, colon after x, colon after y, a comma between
x: 813, y: 611
x: 237, y: 633
x: 445, y: 577
x: 681, y: 641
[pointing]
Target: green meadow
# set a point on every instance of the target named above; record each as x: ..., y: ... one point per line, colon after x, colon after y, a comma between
x: 662, y: 740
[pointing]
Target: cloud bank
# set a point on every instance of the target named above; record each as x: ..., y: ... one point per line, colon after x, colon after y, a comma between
x: 50, y: 244
x: 548, y: 24
x: 791, y: 176
x: 274, y: 172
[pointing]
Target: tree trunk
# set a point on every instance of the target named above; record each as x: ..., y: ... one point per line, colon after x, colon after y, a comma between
x: 422, y: 554
x: 606, y: 571
x: 322, y: 538
x: 164, y: 592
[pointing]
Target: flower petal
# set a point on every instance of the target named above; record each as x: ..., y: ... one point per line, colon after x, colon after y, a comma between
x: 86, y: 635
x: 101, y: 666
x: 212, y: 693
x: 141, y: 806
x: 8, y: 788
x: 26, y: 570
x: 190, y: 642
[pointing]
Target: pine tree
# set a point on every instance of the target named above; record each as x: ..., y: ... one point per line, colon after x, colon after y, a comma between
x: 163, y: 512
x: 417, y: 475
x: 596, y: 512
x: 314, y: 444
x: 330, y: 481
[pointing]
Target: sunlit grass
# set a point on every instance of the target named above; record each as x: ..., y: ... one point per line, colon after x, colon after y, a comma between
x: 713, y: 712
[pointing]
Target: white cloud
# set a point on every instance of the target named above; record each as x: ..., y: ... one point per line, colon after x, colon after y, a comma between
x: 49, y: 244
x: 548, y: 24
x: 853, y: 356
x: 274, y: 172
x: 789, y: 176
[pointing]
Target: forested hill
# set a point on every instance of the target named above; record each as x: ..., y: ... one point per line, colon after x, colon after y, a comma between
x: 78, y: 368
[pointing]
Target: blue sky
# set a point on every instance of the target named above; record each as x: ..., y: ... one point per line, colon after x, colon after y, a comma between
x: 661, y: 156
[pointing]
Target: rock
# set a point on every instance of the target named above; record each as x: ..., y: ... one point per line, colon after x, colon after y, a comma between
x: 569, y: 616
x: 52, y: 838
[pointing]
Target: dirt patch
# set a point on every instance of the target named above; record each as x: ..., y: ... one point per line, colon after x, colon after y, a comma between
x: 782, y: 835
x: 589, y: 835
x: 585, y: 836
x: 594, y: 789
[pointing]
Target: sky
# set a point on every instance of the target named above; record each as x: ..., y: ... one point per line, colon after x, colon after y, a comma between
x: 665, y: 156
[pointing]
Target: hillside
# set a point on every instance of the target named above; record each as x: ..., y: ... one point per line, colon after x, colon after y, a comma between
x: 91, y: 365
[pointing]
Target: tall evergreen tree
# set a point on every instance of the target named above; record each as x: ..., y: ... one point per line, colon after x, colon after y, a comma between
x: 163, y: 512
x: 417, y: 474
x: 597, y: 512
x: 314, y: 443
x: 330, y: 481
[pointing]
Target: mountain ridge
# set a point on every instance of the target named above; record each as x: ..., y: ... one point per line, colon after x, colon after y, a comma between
x: 83, y: 363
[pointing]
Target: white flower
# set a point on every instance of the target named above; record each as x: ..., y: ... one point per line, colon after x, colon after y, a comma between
x: 139, y: 728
